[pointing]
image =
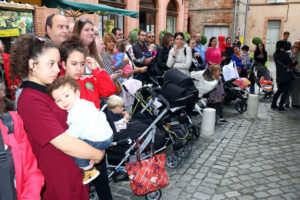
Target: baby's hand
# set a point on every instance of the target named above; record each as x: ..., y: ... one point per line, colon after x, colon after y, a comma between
x: 126, y: 60
x: 125, y: 115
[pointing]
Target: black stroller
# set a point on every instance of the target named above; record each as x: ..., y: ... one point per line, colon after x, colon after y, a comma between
x: 264, y: 80
x: 233, y: 92
x: 182, y: 95
x: 122, y: 148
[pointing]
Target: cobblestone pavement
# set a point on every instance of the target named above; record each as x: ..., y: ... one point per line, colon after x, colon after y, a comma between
x: 247, y: 159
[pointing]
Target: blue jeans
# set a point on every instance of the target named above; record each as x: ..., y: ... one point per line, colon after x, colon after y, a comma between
x: 81, y: 163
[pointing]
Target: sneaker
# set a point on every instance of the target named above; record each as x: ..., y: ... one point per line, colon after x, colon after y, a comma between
x: 89, y: 175
x: 287, y: 106
x: 274, y: 107
x: 281, y: 109
x: 222, y: 120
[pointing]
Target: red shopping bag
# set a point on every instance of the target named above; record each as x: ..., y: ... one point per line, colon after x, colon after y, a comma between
x: 148, y: 175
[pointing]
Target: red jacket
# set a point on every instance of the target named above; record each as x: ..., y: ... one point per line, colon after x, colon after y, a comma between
x: 97, y: 85
x: 222, y: 43
x: 12, y: 87
x: 29, y: 178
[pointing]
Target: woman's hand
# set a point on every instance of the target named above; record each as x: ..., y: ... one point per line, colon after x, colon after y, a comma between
x: 91, y: 63
x: 115, y: 75
x: 175, y: 50
x: 197, y: 54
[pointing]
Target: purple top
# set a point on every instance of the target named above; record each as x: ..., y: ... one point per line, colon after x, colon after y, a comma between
x: 215, y: 96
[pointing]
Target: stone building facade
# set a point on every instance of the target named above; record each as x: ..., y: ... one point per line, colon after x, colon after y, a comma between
x: 154, y: 15
x: 269, y: 19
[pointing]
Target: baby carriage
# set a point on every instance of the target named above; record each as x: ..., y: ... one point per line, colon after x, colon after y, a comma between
x: 232, y: 90
x: 263, y: 78
x: 122, y: 149
x: 177, y: 124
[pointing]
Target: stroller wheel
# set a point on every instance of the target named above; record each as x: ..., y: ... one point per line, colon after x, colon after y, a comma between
x: 173, y: 160
x: 241, y: 106
x: 184, y: 151
x: 156, y: 195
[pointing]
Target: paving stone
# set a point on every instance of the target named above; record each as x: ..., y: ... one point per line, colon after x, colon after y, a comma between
x: 218, y: 197
x: 200, y: 195
x: 232, y: 194
x: 261, y: 195
x: 274, y: 192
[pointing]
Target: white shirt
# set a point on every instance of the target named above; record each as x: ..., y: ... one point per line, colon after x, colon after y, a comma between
x: 181, y: 61
x: 86, y: 122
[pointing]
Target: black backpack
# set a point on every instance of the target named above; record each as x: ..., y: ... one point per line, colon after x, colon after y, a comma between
x: 6, y: 191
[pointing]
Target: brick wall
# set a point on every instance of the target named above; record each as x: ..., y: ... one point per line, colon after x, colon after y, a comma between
x: 41, y: 13
x: 208, y: 12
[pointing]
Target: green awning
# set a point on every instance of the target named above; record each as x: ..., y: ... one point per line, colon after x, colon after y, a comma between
x: 89, y: 8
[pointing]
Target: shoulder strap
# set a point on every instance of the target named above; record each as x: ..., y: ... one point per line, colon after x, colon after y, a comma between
x: 184, y: 51
x: 6, y: 191
x: 8, y: 122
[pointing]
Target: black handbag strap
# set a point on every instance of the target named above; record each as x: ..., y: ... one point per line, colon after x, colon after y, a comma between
x: 6, y: 191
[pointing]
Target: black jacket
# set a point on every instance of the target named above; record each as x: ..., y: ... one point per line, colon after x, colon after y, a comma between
x: 162, y: 58
x: 283, y: 64
x: 260, y: 59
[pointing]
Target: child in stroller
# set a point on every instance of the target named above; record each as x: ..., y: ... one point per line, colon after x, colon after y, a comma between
x: 263, y: 78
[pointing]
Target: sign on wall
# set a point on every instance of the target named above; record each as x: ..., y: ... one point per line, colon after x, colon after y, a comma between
x: 15, y: 23
x: 109, y: 25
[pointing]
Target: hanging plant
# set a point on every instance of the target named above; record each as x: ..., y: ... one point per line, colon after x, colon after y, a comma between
x: 256, y: 40
x: 203, y: 39
x: 186, y: 35
x: 133, y: 35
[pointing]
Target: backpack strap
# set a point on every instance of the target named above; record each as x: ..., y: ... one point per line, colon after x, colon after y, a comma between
x: 6, y: 191
x: 8, y: 122
x: 184, y: 51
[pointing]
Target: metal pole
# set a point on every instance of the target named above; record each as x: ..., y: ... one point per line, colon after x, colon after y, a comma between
x: 234, y: 18
x: 245, y: 28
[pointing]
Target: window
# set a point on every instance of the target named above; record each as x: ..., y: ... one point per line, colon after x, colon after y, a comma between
x: 171, y: 17
x: 276, y: 1
x: 108, y: 22
x: 147, y: 15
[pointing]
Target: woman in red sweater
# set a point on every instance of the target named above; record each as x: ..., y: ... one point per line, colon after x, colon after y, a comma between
x: 213, y: 53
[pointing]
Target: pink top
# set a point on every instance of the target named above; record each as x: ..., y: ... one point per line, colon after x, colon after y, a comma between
x: 213, y: 55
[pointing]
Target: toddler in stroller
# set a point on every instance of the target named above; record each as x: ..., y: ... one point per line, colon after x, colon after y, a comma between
x: 263, y: 78
x: 232, y: 90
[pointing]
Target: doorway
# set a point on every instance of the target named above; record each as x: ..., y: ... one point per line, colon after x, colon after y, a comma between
x: 273, y: 35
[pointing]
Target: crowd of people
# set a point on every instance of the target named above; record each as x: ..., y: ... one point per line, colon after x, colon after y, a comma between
x: 61, y: 115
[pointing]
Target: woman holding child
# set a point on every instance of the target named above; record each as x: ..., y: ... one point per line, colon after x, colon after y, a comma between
x: 36, y: 59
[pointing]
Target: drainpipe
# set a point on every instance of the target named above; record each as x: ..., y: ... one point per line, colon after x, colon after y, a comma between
x: 234, y: 18
x: 245, y: 28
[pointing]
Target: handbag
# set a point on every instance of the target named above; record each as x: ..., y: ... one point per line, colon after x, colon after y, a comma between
x: 118, y: 86
x: 148, y: 175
